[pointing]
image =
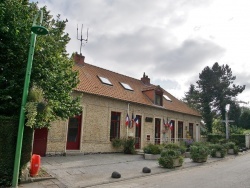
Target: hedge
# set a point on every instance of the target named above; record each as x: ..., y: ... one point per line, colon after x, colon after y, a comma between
x: 8, y: 138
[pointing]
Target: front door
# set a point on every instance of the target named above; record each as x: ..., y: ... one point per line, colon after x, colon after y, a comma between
x: 157, y: 131
x: 74, y: 133
x: 40, y: 141
x: 138, y: 133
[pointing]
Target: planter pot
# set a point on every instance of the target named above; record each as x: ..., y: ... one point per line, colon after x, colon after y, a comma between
x: 200, y: 160
x: 177, y: 163
x: 230, y: 151
x: 218, y: 154
x: 187, y: 155
x: 151, y: 156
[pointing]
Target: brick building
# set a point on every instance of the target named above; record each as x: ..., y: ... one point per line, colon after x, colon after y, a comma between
x: 106, y: 99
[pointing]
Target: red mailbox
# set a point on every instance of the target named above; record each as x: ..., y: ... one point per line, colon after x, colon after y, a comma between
x: 35, y: 165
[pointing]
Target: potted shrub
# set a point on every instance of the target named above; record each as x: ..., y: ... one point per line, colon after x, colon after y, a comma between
x: 170, y: 158
x: 232, y: 148
x: 199, y: 152
x: 152, y: 151
x: 218, y: 150
x: 181, y: 149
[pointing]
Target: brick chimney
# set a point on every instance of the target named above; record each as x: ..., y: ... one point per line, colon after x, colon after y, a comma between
x: 79, y: 59
x: 145, y: 79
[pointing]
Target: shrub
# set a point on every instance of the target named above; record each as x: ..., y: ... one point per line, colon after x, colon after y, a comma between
x: 168, y: 156
x: 129, y: 145
x: 214, y: 138
x: 117, y: 142
x: 152, y: 149
x: 218, y: 148
x: 174, y: 146
x: 199, y: 151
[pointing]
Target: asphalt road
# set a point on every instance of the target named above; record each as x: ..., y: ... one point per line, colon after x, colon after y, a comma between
x: 229, y: 173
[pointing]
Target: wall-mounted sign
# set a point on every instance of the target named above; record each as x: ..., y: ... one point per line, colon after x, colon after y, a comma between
x: 149, y: 119
x: 148, y: 137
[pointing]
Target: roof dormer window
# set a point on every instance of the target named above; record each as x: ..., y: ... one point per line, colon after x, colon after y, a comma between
x: 126, y: 86
x: 105, y: 80
x: 158, y: 99
x: 167, y: 98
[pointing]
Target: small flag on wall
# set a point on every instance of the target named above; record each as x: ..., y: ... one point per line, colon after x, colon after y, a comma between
x: 127, y: 120
x: 170, y: 125
x: 136, y: 120
x: 132, y: 121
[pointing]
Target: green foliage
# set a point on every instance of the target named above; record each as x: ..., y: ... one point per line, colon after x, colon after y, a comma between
x: 175, y: 146
x: 117, y: 142
x: 214, y: 89
x: 199, y: 151
x: 215, y: 138
x: 232, y: 145
x: 152, y: 149
x: 218, y: 148
x: 52, y: 70
x: 238, y: 139
x: 129, y: 145
x: 244, y: 121
x: 168, y: 156
x: 8, y: 138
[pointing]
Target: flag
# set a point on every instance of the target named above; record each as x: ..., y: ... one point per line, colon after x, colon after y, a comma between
x: 165, y: 124
x: 136, y: 120
x: 127, y: 120
x: 170, y: 125
x: 132, y: 121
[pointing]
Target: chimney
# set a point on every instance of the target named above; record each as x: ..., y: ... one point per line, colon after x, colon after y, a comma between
x: 145, y: 79
x: 79, y: 59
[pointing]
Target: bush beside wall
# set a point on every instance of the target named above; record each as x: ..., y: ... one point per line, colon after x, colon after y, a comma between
x: 8, y: 138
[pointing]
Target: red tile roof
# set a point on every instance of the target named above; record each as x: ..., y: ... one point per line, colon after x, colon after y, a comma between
x: 90, y: 83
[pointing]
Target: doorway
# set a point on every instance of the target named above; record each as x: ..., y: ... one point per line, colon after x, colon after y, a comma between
x: 74, y: 133
x: 40, y: 141
x: 138, y: 133
x: 157, y: 131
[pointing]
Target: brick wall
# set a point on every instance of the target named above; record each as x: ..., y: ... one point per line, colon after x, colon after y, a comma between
x: 96, y: 115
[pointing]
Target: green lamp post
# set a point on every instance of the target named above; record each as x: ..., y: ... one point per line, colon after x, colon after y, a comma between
x: 35, y: 30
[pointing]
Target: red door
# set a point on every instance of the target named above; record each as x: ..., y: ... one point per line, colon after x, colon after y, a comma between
x: 40, y: 141
x: 74, y: 133
x: 157, y: 131
x: 138, y: 133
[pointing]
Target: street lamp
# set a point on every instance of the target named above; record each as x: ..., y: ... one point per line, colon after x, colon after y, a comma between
x: 35, y: 30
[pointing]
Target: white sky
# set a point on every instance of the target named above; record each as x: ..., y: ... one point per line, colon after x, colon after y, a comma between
x: 172, y: 41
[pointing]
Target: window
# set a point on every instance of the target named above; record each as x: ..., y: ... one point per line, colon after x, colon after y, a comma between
x: 115, y: 125
x: 158, y: 99
x: 180, y: 129
x: 126, y: 86
x: 191, y: 130
x: 105, y: 80
x: 167, y: 98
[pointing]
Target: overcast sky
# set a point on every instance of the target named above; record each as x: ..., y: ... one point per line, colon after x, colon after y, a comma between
x: 172, y: 41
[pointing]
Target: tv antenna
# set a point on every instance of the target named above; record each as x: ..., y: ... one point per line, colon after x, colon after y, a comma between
x: 81, y: 39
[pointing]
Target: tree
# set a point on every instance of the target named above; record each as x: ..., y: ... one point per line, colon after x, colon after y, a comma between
x: 244, y: 121
x: 52, y: 78
x: 192, y: 98
x: 213, y: 91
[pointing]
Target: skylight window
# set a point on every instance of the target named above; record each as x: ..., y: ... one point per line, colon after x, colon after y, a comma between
x: 167, y: 98
x: 105, y: 80
x: 126, y: 86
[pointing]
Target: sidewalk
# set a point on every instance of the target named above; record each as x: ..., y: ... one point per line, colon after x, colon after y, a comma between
x: 96, y: 169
